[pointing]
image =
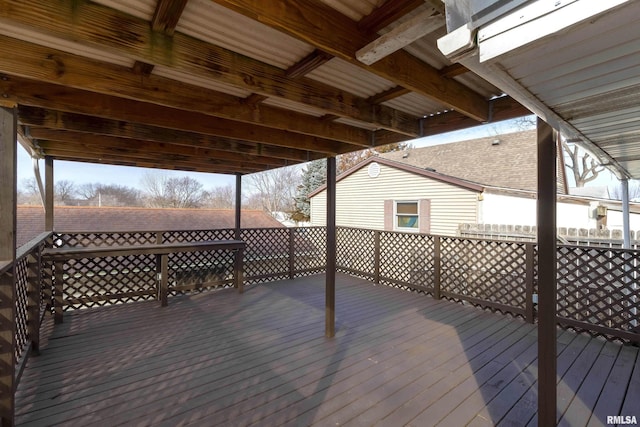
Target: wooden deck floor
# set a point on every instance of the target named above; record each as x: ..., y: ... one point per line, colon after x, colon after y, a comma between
x: 261, y: 359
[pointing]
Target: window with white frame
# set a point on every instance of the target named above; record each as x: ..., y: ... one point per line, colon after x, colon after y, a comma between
x: 406, y: 215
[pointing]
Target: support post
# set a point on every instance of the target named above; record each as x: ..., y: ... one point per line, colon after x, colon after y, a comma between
x: 626, y: 234
x: 48, y: 193
x: 330, y: 286
x: 8, y: 191
x: 437, y: 267
x: 238, y: 207
x: 547, y: 294
x: 376, y: 257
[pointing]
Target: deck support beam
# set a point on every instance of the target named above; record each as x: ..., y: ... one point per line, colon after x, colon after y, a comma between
x: 8, y: 191
x: 48, y: 193
x: 626, y: 235
x: 547, y: 362
x: 238, y: 206
x: 330, y: 287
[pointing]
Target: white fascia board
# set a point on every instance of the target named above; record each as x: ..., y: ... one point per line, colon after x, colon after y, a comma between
x: 535, y: 21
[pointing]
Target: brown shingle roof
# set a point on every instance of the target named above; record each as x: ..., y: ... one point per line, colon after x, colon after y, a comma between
x: 30, y: 221
x: 509, y: 163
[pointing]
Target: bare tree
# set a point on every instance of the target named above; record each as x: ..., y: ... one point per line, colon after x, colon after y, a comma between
x: 29, y: 194
x: 348, y: 160
x: 172, y: 192
x: 64, y: 192
x: 276, y: 188
x: 96, y: 194
x: 221, y: 197
x: 584, y: 167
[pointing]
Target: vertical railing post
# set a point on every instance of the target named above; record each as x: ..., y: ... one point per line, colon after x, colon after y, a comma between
x: 33, y: 300
x: 159, y: 237
x: 8, y: 203
x: 437, y: 265
x: 162, y: 274
x: 58, y: 297
x: 292, y: 257
x: 529, y: 272
x: 376, y: 257
x: 238, y: 273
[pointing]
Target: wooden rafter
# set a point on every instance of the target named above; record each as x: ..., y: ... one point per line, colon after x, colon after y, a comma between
x: 75, y: 20
x: 453, y: 70
x: 167, y: 14
x: 388, y: 95
x: 181, y: 105
x: 400, y: 37
x: 218, y: 144
x: 389, y: 12
x: 327, y: 29
x: 308, y: 64
x: 53, y: 119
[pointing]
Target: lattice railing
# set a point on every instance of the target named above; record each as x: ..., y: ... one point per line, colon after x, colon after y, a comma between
x: 191, y: 272
x: 598, y: 289
x: 98, y: 281
x: 309, y: 254
x: 485, y: 272
x: 355, y: 251
x: 266, y: 255
x: 407, y: 260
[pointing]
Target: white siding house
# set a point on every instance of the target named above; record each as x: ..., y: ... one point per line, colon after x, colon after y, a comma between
x: 368, y: 195
x: 383, y: 194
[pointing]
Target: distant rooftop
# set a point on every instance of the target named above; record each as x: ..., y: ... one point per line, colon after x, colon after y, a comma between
x: 91, y: 218
x: 506, y: 160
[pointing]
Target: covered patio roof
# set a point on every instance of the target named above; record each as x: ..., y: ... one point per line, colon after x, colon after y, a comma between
x: 232, y: 86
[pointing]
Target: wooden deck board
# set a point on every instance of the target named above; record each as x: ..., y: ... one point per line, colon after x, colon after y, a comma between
x: 261, y: 358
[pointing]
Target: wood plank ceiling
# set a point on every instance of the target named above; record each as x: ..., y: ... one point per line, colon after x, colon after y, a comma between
x: 230, y: 86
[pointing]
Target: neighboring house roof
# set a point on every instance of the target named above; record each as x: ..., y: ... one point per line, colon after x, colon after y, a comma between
x: 407, y: 168
x: 30, y: 219
x: 595, y: 192
x: 506, y: 160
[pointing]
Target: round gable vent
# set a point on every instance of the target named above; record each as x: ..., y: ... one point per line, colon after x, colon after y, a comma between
x: 374, y: 170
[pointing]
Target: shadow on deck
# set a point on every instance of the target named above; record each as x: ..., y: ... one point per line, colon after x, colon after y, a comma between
x: 261, y: 358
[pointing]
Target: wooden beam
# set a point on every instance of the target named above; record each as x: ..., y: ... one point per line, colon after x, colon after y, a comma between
x: 327, y: 29
x: 547, y: 287
x: 453, y: 70
x: 389, y: 12
x: 91, y: 23
x: 125, y: 160
x: 330, y: 286
x: 8, y: 201
x: 53, y: 119
x: 400, y: 37
x: 503, y: 108
x: 217, y: 144
x: 308, y: 64
x: 48, y: 194
x: 155, y: 150
x: 142, y: 69
x: 166, y: 16
x: 388, y: 95
x: 254, y: 99
x: 121, y: 93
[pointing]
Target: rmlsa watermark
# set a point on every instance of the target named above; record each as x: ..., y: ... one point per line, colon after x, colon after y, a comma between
x: 622, y: 420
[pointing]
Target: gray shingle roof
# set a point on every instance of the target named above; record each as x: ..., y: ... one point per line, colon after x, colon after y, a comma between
x: 506, y: 160
x: 30, y: 219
